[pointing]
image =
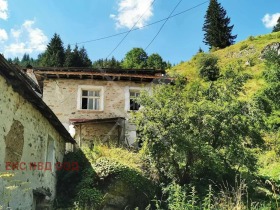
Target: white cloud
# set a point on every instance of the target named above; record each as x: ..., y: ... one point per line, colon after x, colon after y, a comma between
x: 16, y: 49
x: 15, y: 33
x: 129, y: 12
x: 37, y: 38
x: 3, y: 35
x: 27, y: 39
x: 270, y: 20
x: 3, y: 9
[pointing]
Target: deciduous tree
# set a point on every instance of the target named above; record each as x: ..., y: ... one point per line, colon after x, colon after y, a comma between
x: 192, y: 133
x: 135, y: 58
x: 155, y: 61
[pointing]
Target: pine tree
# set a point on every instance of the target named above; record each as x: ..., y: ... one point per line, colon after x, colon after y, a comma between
x: 85, y: 61
x: 200, y: 50
x: 277, y: 27
x: 25, y: 60
x: 68, y: 57
x: 54, y: 55
x: 76, y: 57
x: 216, y: 27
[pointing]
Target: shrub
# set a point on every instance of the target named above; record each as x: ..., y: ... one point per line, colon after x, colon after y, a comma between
x: 208, y: 69
x: 78, y: 188
x: 251, y: 38
x: 243, y: 47
x: 89, y: 198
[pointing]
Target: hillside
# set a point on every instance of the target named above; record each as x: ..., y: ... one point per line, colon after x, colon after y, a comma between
x: 246, y: 56
x: 243, y: 55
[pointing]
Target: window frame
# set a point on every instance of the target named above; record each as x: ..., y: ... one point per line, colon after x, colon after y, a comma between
x: 50, y: 152
x: 82, y: 88
x: 127, y: 97
x: 135, y: 92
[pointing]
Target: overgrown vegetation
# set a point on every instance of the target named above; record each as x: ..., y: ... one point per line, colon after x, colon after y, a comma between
x: 104, y: 174
x: 206, y: 132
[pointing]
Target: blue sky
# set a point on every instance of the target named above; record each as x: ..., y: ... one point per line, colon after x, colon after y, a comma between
x: 27, y: 26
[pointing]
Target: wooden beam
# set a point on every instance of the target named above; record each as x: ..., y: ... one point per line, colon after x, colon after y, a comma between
x: 49, y: 73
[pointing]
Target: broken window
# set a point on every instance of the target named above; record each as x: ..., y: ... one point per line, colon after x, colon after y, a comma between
x: 133, y: 94
x: 91, y: 99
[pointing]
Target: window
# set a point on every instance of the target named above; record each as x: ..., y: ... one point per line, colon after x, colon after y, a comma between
x: 50, y: 155
x: 90, y: 98
x: 133, y: 94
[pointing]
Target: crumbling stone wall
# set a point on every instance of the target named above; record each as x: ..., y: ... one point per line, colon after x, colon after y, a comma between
x: 24, y: 136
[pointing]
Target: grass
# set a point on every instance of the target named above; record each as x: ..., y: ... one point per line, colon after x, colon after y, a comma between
x: 243, y: 55
x: 125, y: 157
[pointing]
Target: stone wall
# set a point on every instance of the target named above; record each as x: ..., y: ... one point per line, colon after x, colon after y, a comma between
x: 61, y: 95
x: 24, y: 137
x: 97, y: 133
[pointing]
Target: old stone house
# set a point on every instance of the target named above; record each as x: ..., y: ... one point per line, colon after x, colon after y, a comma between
x: 96, y: 102
x: 32, y: 141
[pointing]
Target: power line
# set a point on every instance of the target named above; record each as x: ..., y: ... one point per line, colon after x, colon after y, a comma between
x: 134, y: 29
x: 150, y: 24
x: 130, y: 29
x: 163, y: 24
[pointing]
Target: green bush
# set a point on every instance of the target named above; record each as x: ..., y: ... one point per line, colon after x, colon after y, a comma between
x: 208, y: 68
x: 108, y: 169
x: 251, y: 38
x: 72, y: 186
x: 243, y: 47
x: 89, y: 198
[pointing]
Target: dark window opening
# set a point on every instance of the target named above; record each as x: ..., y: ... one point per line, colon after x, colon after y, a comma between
x: 91, y: 100
x: 133, y: 104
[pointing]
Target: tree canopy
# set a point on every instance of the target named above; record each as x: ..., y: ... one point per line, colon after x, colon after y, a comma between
x: 216, y: 27
x: 135, y: 58
x: 107, y: 63
x: 76, y: 57
x: 196, y: 133
x: 155, y: 61
x: 54, y: 56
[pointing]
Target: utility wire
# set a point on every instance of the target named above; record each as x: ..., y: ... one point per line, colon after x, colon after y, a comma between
x: 130, y: 29
x: 163, y: 24
x: 150, y: 24
x: 134, y: 29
